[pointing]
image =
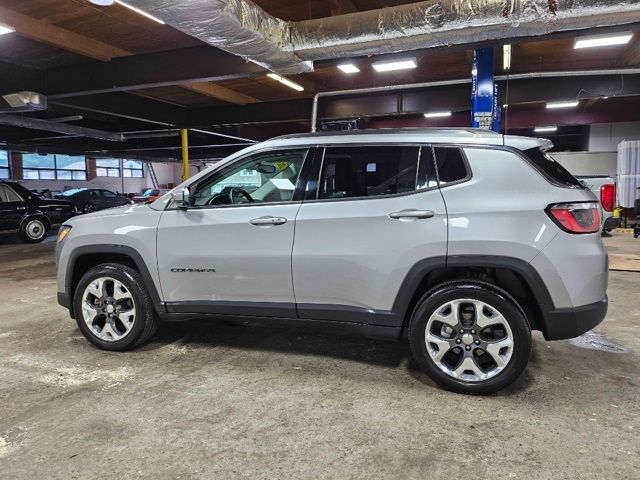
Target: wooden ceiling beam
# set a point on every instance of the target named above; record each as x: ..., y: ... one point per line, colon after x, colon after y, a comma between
x: 220, y: 93
x: 58, y: 37
x: 340, y: 7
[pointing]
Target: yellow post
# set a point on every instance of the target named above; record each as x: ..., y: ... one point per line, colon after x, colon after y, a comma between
x: 184, y: 136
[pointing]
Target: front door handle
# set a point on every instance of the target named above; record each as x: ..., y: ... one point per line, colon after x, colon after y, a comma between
x: 268, y: 221
x: 411, y: 214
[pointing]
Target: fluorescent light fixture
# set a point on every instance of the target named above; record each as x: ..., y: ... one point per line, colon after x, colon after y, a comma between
x: 437, y: 114
x: 389, y: 66
x: 4, y: 29
x: 506, y: 57
x: 141, y: 12
x: 545, y: 129
x: 568, y: 104
x: 348, y: 68
x: 286, y: 82
x: 102, y: 3
x: 603, y: 40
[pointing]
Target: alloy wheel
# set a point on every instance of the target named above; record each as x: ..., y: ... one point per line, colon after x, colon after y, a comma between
x: 469, y: 340
x: 108, y: 309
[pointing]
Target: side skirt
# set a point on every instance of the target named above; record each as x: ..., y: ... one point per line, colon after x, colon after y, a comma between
x: 316, y: 326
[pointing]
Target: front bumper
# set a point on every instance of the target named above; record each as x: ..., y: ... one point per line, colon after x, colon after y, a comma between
x: 564, y: 323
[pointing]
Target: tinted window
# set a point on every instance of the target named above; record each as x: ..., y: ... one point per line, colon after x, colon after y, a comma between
x: 8, y: 195
x: 551, y: 169
x: 368, y: 171
x: 450, y: 164
x: 108, y: 194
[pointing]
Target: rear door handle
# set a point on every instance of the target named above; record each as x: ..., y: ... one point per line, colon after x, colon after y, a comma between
x: 268, y: 221
x: 411, y: 214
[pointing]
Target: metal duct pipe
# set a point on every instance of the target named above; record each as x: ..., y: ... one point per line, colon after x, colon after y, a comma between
x: 243, y: 28
x: 437, y: 23
x: 37, y: 124
x: 445, y: 83
x: 236, y: 26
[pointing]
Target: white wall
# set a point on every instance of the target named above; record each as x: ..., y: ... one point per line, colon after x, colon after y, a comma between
x: 588, y: 163
x: 605, y: 137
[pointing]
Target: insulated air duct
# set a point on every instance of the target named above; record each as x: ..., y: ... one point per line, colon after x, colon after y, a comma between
x: 243, y: 28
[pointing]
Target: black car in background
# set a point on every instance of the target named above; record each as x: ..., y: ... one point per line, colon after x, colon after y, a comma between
x: 30, y: 214
x: 89, y: 200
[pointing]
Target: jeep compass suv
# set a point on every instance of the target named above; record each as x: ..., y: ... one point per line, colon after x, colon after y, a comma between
x: 464, y: 240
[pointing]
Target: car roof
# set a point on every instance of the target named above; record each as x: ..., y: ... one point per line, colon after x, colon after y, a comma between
x: 463, y: 136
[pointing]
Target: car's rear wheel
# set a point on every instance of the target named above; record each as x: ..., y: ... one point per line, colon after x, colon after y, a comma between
x: 113, y: 308
x: 88, y: 207
x: 470, y: 337
x: 34, y: 230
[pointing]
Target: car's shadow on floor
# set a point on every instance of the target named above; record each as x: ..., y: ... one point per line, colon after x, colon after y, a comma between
x: 12, y: 238
x: 307, y: 340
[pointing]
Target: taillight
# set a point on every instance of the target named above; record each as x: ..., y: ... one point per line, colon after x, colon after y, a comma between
x: 608, y: 197
x: 576, y: 217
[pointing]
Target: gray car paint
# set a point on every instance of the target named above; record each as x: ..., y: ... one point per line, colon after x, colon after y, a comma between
x: 350, y: 252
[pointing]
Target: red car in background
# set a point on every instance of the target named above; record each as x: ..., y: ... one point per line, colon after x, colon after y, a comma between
x: 149, y: 195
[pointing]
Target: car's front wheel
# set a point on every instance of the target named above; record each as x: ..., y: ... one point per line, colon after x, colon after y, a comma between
x: 113, y: 308
x: 470, y: 337
x: 88, y: 207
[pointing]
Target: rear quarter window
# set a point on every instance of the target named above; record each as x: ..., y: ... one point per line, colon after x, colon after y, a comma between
x: 451, y: 165
x: 551, y: 169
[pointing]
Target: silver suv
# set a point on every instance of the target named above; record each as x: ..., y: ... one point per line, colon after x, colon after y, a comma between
x: 464, y: 240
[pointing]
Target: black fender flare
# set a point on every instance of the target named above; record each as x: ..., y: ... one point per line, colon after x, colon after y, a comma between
x: 424, y: 267
x: 102, y: 249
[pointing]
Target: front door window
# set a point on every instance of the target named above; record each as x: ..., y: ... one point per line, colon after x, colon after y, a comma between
x: 262, y: 178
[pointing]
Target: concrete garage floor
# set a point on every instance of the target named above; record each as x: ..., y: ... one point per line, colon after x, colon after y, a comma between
x: 213, y: 400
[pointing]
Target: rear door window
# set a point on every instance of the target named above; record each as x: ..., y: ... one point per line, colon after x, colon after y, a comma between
x: 369, y: 171
x: 8, y: 195
x: 551, y: 169
x: 450, y: 165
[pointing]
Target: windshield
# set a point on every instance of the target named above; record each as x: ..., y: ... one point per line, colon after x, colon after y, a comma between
x: 73, y: 191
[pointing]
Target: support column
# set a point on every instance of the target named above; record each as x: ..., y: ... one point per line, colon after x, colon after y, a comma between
x: 184, y: 136
x: 485, y: 111
x: 15, y: 166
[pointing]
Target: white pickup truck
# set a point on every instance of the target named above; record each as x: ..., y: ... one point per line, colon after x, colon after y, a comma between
x: 604, y: 187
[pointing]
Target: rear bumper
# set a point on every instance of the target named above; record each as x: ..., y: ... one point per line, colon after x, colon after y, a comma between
x: 564, y: 323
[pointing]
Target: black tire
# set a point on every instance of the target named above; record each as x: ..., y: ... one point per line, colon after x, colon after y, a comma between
x: 34, y: 229
x: 88, y: 207
x: 146, y: 320
x: 496, y: 298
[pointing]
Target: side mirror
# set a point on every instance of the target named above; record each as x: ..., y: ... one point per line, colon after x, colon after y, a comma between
x: 181, y: 197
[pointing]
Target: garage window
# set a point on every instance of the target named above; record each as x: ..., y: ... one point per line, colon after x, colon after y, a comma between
x: 108, y: 167
x: 349, y: 172
x: 4, y: 164
x: 53, y: 167
x: 132, y: 168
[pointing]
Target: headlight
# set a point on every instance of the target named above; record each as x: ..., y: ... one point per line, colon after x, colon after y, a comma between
x: 63, y: 232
